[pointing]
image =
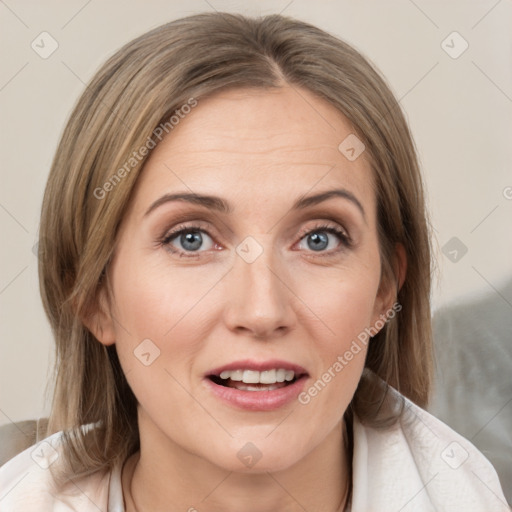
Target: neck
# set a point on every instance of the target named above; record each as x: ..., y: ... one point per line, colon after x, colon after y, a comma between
x: 155, y: 479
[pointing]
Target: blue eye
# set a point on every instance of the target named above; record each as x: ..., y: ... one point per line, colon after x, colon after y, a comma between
x: 318, y: 239
x: 191, y: 240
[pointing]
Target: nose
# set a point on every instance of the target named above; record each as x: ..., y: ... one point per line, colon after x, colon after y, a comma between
x: 259, y: 299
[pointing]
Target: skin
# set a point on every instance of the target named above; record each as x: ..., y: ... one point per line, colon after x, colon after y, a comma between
x: 260, y: 150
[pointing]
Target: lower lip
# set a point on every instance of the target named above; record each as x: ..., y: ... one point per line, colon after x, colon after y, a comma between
x: 258, y: 400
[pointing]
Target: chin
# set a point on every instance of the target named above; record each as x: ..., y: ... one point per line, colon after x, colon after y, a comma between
x: 259, y: 456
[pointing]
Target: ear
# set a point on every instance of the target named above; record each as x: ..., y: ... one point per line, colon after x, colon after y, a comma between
x: 100, y: 321
x: 391, y: 285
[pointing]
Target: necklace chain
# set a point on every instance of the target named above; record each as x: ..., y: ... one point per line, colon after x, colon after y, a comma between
x: 133, y: 506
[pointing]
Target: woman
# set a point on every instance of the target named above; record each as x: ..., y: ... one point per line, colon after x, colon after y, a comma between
x: 235, y: 262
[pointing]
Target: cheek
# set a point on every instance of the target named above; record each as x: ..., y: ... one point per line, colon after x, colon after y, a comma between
x: 153, y: 298
x: 343, y: 299
x: 161, y: 312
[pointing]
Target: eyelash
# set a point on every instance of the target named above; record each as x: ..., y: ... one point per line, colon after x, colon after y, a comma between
x: 345, y: 239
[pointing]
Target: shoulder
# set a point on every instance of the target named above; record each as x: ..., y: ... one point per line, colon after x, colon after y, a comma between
x: 18, y: 436
x: 26, y: 482
x: 420, y: 463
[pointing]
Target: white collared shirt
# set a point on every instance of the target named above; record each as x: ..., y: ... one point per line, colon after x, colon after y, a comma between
x: 419, y: 464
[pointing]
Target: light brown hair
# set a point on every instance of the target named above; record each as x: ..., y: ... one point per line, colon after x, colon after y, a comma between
x: 135, y: 91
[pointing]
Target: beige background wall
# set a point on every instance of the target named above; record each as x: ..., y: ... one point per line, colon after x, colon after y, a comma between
x: 460, y: 111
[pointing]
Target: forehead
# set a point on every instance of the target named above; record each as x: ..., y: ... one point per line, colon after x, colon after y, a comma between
x: 283, y: 140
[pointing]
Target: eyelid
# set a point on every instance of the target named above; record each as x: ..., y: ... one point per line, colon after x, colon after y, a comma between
x: 194, y: 225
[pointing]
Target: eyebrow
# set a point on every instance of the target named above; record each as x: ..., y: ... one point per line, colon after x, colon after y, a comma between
x: 222, y: 206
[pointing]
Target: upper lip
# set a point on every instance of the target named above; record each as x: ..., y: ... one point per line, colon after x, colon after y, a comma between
x: 249, y: 364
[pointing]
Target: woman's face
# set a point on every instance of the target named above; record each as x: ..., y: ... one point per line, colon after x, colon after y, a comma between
x: 259, y: 272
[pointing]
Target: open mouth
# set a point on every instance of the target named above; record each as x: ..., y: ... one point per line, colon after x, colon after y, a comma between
x: 253, y: 380
x: 257, y: 385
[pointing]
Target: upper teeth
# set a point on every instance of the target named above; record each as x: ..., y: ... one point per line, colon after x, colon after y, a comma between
x: 255, y: 377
